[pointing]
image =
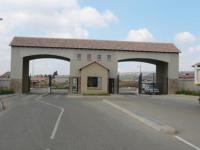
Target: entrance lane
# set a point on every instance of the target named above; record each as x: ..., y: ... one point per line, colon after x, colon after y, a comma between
x: 89, y: 124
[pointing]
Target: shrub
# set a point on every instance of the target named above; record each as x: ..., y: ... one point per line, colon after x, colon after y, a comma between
x: 188, y: 92
x: 6, y: 91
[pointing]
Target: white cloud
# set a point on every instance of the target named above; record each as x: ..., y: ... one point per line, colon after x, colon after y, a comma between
x: 194, y: 49
x: 189, y: 57
x: 185, y: 38
x: 91, y: 17
x: 140, y: 35
x: 47, y: 18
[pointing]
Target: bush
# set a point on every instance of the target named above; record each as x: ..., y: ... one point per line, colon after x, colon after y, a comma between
x: 188, y: 92
x: 6, y: 91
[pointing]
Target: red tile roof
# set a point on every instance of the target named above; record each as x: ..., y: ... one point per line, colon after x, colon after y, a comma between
x: 94, y: 44
x: 186, y: 75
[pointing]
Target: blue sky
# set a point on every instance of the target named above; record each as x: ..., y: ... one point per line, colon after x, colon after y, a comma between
x: 163, y: 18
x: 135, y: 20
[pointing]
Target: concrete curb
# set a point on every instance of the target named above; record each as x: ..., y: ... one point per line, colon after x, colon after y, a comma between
x: 2, y: 101
x: 157, y: 125
x: 95, y: 96
x: 6, y: 96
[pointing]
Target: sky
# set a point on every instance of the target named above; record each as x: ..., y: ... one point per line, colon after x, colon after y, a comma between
x: 171, y: 21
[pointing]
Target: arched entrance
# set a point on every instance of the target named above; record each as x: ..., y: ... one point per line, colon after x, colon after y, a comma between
x: 81, y: 52
x: 26, y: 61
x: 161, y: 72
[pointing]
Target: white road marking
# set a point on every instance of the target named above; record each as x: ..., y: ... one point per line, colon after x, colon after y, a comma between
x: 57, y: 124
x: 141, y: 119
x: 155, y: 124
x: 59, y: 117
x: 186, y: 142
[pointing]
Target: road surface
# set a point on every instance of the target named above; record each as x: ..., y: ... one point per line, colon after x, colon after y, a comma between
x: 60, y: 122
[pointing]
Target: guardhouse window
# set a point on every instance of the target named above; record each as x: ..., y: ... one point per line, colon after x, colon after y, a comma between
x: 94, y: 82
x: 108, y: 57
x: 78, y: 56
x: 89, y: 57
x: 99, y: 57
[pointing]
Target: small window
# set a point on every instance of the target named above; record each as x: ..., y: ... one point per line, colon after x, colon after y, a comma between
x: 78, y: 56
x: 109, y: 57
x: 94, y: 82
x: 99, y: 57
x: 89, y: 57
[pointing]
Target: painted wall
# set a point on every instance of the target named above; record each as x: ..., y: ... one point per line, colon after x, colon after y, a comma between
x: 187, y: 84
x: 5, y: 83
x: 18, y: 53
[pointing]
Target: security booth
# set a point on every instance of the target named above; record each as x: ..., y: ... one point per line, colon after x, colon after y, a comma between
x: 94, y: 79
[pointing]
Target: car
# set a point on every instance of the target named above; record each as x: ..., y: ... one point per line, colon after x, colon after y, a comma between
x: 151, y: 89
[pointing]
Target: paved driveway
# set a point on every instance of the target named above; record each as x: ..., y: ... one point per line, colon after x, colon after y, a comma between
x: 58, y: 122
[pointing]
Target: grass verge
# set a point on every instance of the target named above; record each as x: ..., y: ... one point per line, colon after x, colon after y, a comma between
x: 194, y: 93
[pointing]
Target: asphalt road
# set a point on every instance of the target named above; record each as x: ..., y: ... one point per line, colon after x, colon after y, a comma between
x: 180, y: 112
x: 58, y: 122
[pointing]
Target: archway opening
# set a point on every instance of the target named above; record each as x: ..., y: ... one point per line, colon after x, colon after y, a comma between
x: 142, y: 76
x: 46, y: 73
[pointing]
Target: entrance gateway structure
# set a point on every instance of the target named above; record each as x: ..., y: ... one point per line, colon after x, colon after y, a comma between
x: 93, y: 63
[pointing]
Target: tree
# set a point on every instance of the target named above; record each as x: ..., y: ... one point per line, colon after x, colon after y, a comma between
x: 55, y: 73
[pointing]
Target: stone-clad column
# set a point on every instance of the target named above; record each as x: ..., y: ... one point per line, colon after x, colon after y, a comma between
x: 162, y: 77
x: 173, y: 71
x: 16, y: 71
x: 25, y: 76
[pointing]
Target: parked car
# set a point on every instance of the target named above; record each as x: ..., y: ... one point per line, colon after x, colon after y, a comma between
x: 151, y: 89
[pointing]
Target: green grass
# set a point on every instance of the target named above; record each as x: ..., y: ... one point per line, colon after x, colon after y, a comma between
x: 194, y: 93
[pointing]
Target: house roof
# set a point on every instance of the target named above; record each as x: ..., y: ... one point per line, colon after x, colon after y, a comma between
x: 92, y: 64
x: 94, y: 44
x: 197, y: 64
x: 186, y: 75
x: 5, y: 75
